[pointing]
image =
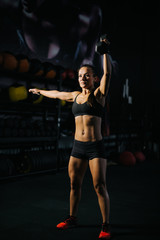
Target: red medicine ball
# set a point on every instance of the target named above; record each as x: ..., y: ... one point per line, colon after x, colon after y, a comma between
x: 127, y: 158
x: 140, y: 157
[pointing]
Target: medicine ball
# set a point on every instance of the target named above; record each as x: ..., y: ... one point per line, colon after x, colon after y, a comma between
x: 140, y: 157
x: 9, y: 61
x: 23, y: 63
x: 49, y: 70
x: 36, y: 68
x: 127, y: 158
x: 18, y: 93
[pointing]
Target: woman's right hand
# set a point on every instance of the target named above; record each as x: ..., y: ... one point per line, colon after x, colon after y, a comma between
x: 35, y: 91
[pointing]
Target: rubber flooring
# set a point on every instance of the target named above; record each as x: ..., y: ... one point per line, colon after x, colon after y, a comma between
x: 31, y: 206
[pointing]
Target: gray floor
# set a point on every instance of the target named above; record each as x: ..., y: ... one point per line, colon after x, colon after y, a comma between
x: 31, y: 206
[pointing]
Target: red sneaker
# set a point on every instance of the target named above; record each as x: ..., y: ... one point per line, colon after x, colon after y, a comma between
x: 69, y: 222
x: 105, y: 232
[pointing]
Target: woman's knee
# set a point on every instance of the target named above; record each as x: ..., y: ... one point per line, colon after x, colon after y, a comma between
x: 100, y: 188
x: 75, y: 183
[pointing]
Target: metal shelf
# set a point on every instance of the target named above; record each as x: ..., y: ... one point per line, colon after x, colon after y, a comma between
x: 27, y: 139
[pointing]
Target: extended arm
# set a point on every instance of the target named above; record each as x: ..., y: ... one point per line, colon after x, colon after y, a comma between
x: 67, y: 96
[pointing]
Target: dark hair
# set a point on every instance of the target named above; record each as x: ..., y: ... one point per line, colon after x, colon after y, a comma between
x: 92, y: 67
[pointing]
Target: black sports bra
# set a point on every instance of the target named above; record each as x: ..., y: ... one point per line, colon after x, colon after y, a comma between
x: 86, y: 109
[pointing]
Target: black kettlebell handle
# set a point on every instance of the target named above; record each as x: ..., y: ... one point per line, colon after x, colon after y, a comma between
x: 102, y: 37
x: 102, y: 47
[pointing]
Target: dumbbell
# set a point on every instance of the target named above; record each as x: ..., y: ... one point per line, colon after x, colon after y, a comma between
x: 102, y: 47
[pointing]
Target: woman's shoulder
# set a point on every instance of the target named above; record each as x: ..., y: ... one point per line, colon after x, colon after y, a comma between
x: 75, y: 94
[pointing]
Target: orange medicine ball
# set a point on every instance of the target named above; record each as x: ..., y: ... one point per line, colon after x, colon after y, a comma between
x: 23, y: 63
x: 36, y: 67
x: 9, y: 61
x: 49, y: 70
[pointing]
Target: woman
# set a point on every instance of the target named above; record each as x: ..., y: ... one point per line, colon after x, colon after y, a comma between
x: 88, y: 147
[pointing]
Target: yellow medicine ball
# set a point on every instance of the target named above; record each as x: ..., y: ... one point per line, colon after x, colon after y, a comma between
x: 18, y: 93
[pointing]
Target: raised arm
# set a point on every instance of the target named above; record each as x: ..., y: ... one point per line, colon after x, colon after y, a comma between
x: 67, y: 96
x: 105, y: 80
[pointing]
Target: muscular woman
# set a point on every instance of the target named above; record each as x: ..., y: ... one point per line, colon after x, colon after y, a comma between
x: 88, y: 147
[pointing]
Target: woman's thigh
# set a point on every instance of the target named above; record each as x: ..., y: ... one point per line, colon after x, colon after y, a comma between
x: 98, y: 167
x: 77, y: 168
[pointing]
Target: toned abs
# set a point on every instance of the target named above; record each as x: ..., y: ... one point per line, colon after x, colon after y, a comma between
x: 88, y: 128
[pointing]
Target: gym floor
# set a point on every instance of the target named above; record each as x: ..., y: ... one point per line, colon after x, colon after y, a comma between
x: 31, y: 206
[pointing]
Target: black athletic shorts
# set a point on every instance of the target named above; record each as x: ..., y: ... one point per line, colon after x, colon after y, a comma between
x: 88, y: 150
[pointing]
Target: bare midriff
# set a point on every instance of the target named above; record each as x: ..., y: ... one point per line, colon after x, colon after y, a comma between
x: 88, y: 128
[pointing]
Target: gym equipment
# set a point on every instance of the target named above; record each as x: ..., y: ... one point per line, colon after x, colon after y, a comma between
x: 42, y: 160
x: 22, y: 163
x: 38, y: 99
x: 18, y: 93
x: 127, y: 158
x: 23, y: 63
x: 49, y: 70
x: 64, y: 74
x: 7, y: 167
x: 9, y: 61
x: 140, y: 157
x: 71, y: 74
x: 68, y: 74
x: 63, y: 103
x: 36, y: 67
x: 97, y: 80
x: 102, y: 47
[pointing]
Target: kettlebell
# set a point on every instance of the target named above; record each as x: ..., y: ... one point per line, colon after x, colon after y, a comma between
x: 102, y: 47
